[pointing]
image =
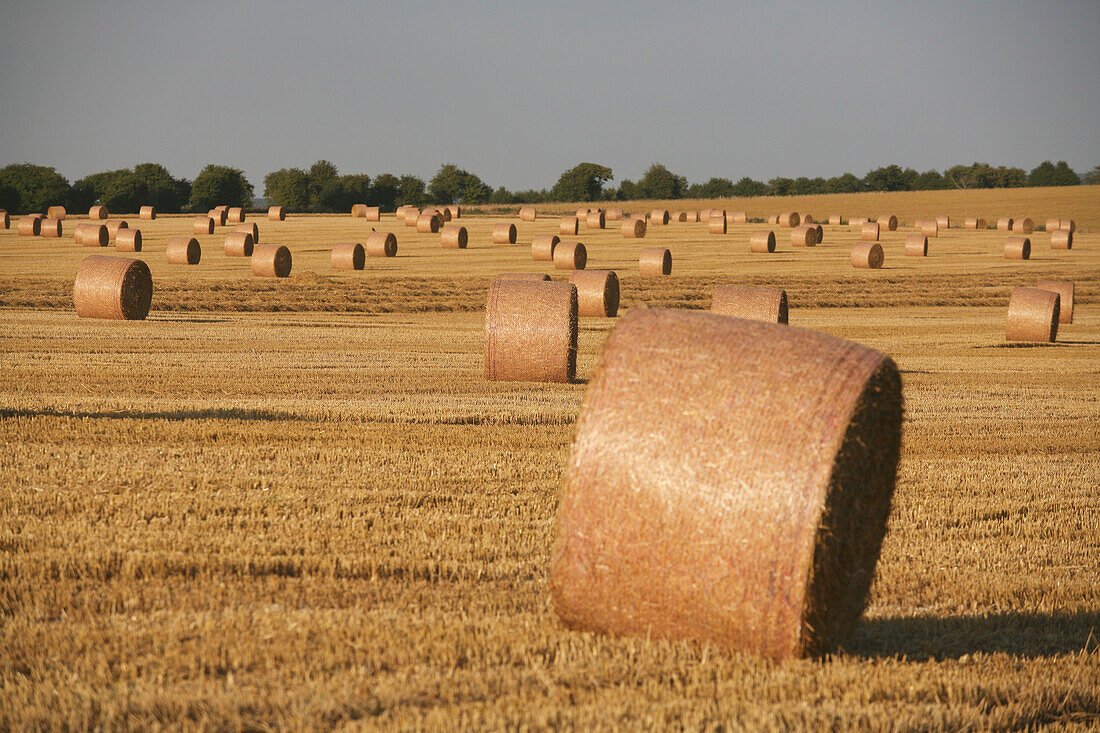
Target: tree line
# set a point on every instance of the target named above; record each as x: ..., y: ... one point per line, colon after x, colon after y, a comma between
x: 25, y: 187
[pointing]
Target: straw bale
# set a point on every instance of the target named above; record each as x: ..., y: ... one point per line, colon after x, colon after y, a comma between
x: 889, y: 222
x: 91, y: 235
x: 113, y: 227
x: 30, y: 226
x: 1052, y: 224
x: 773, y: 220
x: 531, y: 331
x: 445, y: 212
x: 271, y: 260
x: 634, y: 228
x: 400, y: 212
x: 930, y: 228
x: 50, y: 228
x: 762, y: 241
x: 597, y: 293
x: 203, y: 225
x: 539, y: 276
x: 717, y: 223
x: 916, y: 245
x: 804, y: 235
x: 56, y: 212
x: 348, y: 256
x: 429, y: 223
x: 1023, y: 226
x: 1061, y: 239
x: 981, y: 223
x: 542, y: 247
x: 867, y: 255
x: 276, y: 213
x: 97, y: 213
x: 1067, y: 224
x: 789, y: 219
x: 1017, y: 248
x: 1033, y: 315
x: 456, y: 211
x: 147, y: 213
x: 219, y: 214
x: 381, y: 244
x: 707, y: 498
x: 819, y: 234
x: 655, y: 261
x: 582, y: 214
x: 570, y: 256
x: 807, y: 219
x: 128, y: 240
x: 183, y: 251
x: 754, y: 304
x: 943, y: 222
x: 658, y: 217
x: 1004, y: 224
x: 357, y: 210
x: 595, y: 219
x: 1064, y: 288
x: 234, y: 215
x: 5, y: 220
x: 855, y: 223
x: 691, y: 216
x: 568, y: 225
x: 221, y: 208
x: 527, y: 213
x: 250, y: 229
x: 678, y: 217
x: 411, y: 215
x: 970, y: 222
x: 613, y: 215
x: 504, y: 233
x: 239, y: 244
x: 836, y: 220
x: 869, y: 232
x: 704, y: 215
x: 454, y: 236
x: 117, y: 288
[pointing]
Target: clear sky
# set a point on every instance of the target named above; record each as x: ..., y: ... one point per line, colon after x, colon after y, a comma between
x: 519, y: 91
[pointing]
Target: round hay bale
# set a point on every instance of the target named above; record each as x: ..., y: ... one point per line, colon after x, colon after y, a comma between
x: 869, y: 232
x: 773, y: 220
x: 807, y: 219
x: 1022, y: 226
x: 943, y: 222
x: 658, y: 217
x: 455, y: 211
x: 91, y: 235
x: 411, y: 215
x: 677, y: 216
x: 183, y: 251
x: 634, y: 228
x: 250, y: 229
x: 429, y: 223
x: 276, y: 213
x: 539, y: 276
x: 819, y: 234
x: 568, y: 225
x: 762, y: 242
x: 357, y: 210
x: 804, y: 235
x: 717, y: 223
x: 1004, y: 224
x: 970, y: 222
x: 381, y: 244
x: 219, y: 214
x: 721, y: 504
x: 542, y: 247
x: 655, y: 261
x: 704, y: 215
x: 271, y: 260
x: 504, y: 233
x: 373, y: 213
x: 30, y: 226
x: 1061, y: 239
x: 203, y: 225
x: 239, y: 244
x: 737, y: 217
x: 5, y: 220
x: 613, y: 215
x: 867, y: 255
x: 400, y: 213
x: 128, y: 240
x: 56, y: 212
x: 527, y: 213
x: 855, y: 223
x: 221, y: 208
x: 234, y: 215
x: 582, y: 214
x: 691, y: 216
x: 113, y: 228
x: 1033, y: 315
x: 597, y: 293
x: 1064, y: 288
x: 454, y: 236
x: 889, y: 222
x: 595, y: 219
x: 147, y: 213
x: 1067, y: 224
x: 531, y: 332
x: 97, y: 213
x: 50, y: 228
x: 789, y: 219
x: 980, y: 224
x: 348, y: 256
x: 930, y: 229
x: 117, y: 288
x: 570, y: 256
x: 836, y: 220
x: 916, y: 245
x: 754, y: 304
x: 1017, y: 248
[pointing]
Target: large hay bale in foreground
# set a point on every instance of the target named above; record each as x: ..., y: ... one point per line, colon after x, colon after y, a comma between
x: 568, y: 225
x: 1064, y: 288
x: 128, y: 240
x: 531, y: 331
x: 1061, y: 239
x: 869, y: 232
x: 147, y: 213
x: 30, y: 226
x: 655, y: 261
x: 527, y: 213
x: 597, y: 293
x: 238, y: 244
x: 50, y: 228
x: 348, y: 256
x: 183, y: 251
x: 249, y: 229
x: 56, y: 212
x: 755, y: 304
x: 542, y: 247
x: 202, y: 225
x: 118, y: 288
x: 536, y: 276
x: 98, y: 213
x: 916, y: 245
x: 570, y: 256
x: 276, y: 213
x: 271, y: 260
x: 91, y: 235
x: 381, y: 244
x: 762, y: 242
x: 634, y: 228
x: 113, y: 228
x: 1033, y: 315
x: 1023, y: 226
x: 595, y: 219
x: 724, y: 505
x: 1017, y: 248
x: 504, y: 233
x: 867, y: 255
x: 658, y: 217
x: 454, y: 236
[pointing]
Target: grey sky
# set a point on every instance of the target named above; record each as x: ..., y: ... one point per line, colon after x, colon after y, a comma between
x: 518, y: 91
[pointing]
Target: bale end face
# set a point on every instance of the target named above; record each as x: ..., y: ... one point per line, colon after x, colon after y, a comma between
x: 762, y: 242
x: 1065, y: 289
x: 1018, y: 248
x: 531, y: 331
x: 381, y: 244
x: 597, y: 293
x: 454, y: 236
x: 348, y: 256
x: 1061, y: 239
x: 115, y: 288
x: 271, y: 260
x: 1033, y: 315
x: 504, y: 233
x: 867, y: 256
x: 755, y: 304
x: 655, y: 261
x: 183, y: 251
x: 570, y: 256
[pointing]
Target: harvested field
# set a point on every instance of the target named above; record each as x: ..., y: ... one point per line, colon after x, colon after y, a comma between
x: 298, y: 503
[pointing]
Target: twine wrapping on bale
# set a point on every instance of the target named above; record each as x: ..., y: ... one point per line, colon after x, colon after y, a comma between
x: 411, y: 215
x: 889, y: 222
x: 118, y: 288
x: 128, y: 240
x: 836, y: 220
x: 50, y: 228
x: 1033, y: 315
x: 539, y: 276
x: 1004, y: 224
x: 542, y: 247
x: 568, y: 225
x: 1064, y: 288
x: 183, y: 251
x: 722, y: 505
x: 804, y: 235
x: 381, y: 244
x: 658, y: 217
x: 91, y: 235
x: 504, y: 233
x: 147, y: 213
x: 454, y: 236
x: 634, y: 228
x: 613, y: 215
x: 219, y: 214
x: 570, y: 256
x: 867, y: 255
x: 30, y: 226
x: 271, y: 260
x: 429, y: 223
x: 597, y: 293
x: 56, y: 212
x: 234, y: 215
x: 916, y: 245
x: 762, y: 241
x: 1067, y: 224
x: 276, y: 213
x: 203, y: 225
x: 97, y: 213
x: 717, y: 223
x: 1023, y: 226
x: 250, y: 229
x: 113, y: 228
x: 869, y: 232
x: 527, y: 213
x: 655, y: 261
x: 531, y: 331
x: 348, y: 256
x: 239, y: 244
x: 754, y: 304
x: 595, y: 219
x: 1017, y: 248
x: 789, y: 219
x: 1061, y: 239
x: 930, y: 228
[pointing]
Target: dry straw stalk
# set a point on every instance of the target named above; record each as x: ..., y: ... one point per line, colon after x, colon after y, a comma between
x: 271, y: 260
x: 531, y: 331
x: 1033, y: 315
x: 754, y: 304
x: 381, y: 244
x: 597, y: 293
x: 570, y: 256
x: 117, y: 288
x: 504, y: 233
x: 655, y: 261
x: 454, y: 236
x: 128, y: 240
x: 1064, y: 288
x: 542, y: 247
x: 183, y: 251
x: 348, y: 256
x: 1017, y: 248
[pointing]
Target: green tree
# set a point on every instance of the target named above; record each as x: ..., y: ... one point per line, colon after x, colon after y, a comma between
x: 804, y: 186
x: 931, y: 180
x: 1051, y: 174
x: 628, y: 191
x: 890, y: 178
x: 289, y: 188
x: 503, y: 196
x: 321, y: 174
x: 169, y: 195
x: 582, y: 182
x: 123, y: 193
x: 845, y: 183
x: 1092, y: 177
x: 780, y: 186
x: 750, y: 187
x: 32, y: 188
x: 715, y: 188
x: 455, y: 185
x: 384, y: 192
x: 218, y: 185
x: 356, y: 187
x: 410, y: 190
x: 659, y: 182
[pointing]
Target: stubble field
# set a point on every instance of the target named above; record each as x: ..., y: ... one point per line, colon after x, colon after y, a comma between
x: 287, y: 504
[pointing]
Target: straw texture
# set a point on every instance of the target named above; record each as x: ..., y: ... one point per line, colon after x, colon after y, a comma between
x: 527, y: 213
x: 373, y: 213
x: 655, y: 261
x: 234, y: 215
x: 128, y: 240
x: 271, y: 260
x: 50, y: 228
x: 183, y: 251
x: 1033, y: 315
x: 595, y: 219
x: 869, y: 232
x: 789, y: 219
x: 250, y: 229
x: 454, y: 236
x: 113, y: 228
x: 916, y: 245
x: 597, y: 293
x: 348, y: 256
x: 531, y: 331
x: 411, y: 215
x: 276, y: 213
x: 582, y: 214
x: 219, y: 214
x: 634, y: 228
x: 889, y: 222
x: 705, y: 214
x: 930, y: 228
x: 1068, y: 224
x: 1017, y: 248
x: 542, y: 247
x: 455, y: 210
x: 203, y: 225
x: 762, y: 242
x: 754, y: 304
x: 568, y: 225
x: 429, y: 223
x: 944, y: 222
x: 691, y: 216
x: 91, y: 235
x: 5, y: 220
x: 56, y: 212
x: 238, y: 244
x: 613, y: 215
x: 1004, y: 224
x: 1023, y: 226
x: 570, y: 256
x: 97, y: 213
x: 807, y: 219
x: 1061, y: 239
x: 504, y: 233
x: 717, y: 223
x: 970, y: 222
x: 658, y: 217
x: 30, y: 226
x: 357, y: 210
x: 147, y: 213
x: 741, y: 503
x: 737, y: 217
x: 678, y: 217
x: 819, y: 233
x: 1064, y: 288
x: 867, y: 255
x: 538, y: 276
x: 381, y: 244
x: 836, y: 220
x: 804, y: 235
x: 117, y: 288
x: 857, y: 222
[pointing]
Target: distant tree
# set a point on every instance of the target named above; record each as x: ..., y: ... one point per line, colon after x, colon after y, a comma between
x: 531, y: 196
x: 780, y: 186
x: 803, y: 186
x: 503, y: 196
x: 1092, y: 177
x: 628, y: 191
x: 410, y: 190
x: 356, y: 187
x: 321, y: 174
x: 930, y: 180
x: 384, y: 192
x: 715, y: 188
x: 750, y: 187
x: 455, y: 185
x: 845, y: 183
x: 123, y: 192
x: 582, y: 182
x: 218, y: 185
x: 659, y: 182
x: 289, y: 188
x: 1051, y: 174
x: 890, y: 178
x: 32, y: 188
x: 968, y: 176
x: 82, y: 196
x: 169, y: 195
x: 1006, y: 177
